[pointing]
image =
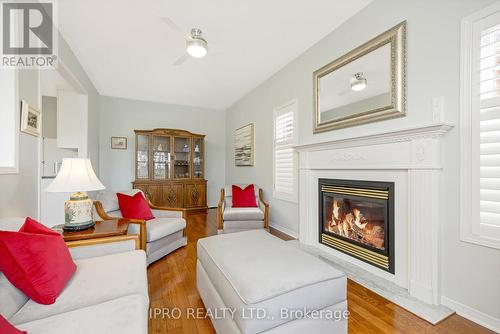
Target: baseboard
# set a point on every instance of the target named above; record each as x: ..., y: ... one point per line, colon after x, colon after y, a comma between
x: 284, y: 230
x: 472, y: 314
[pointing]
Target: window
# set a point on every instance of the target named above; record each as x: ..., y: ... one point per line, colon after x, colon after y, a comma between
x: 9, y: 122
x: 285, y: 157
x: 480, y: 128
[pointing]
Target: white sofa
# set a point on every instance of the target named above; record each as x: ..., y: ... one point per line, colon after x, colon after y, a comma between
x: 108, y: 294
x: 253, y: 272
x: 160, y: 236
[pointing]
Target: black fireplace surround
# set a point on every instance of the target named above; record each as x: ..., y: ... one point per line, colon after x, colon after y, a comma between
x: 357, y: 218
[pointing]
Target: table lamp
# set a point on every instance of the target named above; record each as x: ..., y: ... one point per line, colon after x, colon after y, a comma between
x: 76, y: 176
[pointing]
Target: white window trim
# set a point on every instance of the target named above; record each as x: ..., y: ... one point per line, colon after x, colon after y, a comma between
x: 469, y: 226
x: 294, y: 198
x: 17, y: 117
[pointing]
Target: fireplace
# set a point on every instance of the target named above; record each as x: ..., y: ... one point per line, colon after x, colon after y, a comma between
x: 357, y: 218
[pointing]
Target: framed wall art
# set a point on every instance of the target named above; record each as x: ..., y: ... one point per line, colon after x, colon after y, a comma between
x: 31, y: 119
x: 119, y: 143
x: 244, y: 146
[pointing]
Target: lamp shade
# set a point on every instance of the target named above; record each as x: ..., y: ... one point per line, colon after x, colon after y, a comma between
x: 76, y: 174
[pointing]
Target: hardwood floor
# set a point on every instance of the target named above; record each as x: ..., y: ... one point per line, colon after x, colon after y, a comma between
x: 172, y: 290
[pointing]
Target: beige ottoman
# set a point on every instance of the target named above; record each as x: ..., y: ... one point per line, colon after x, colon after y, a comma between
x: 253, y: 282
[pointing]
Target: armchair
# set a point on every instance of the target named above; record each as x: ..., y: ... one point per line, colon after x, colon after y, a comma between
x: 159, y: 236
x: 231, y: 219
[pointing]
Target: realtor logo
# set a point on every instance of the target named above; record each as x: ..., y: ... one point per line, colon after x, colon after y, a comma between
x: 29, y: 35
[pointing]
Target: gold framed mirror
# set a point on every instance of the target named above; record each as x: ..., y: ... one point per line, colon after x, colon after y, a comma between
x: 367, y: 84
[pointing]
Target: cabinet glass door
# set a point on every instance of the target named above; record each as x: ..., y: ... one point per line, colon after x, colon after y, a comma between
x: 197, y: 158
x: 182, y: 154
x: 161, y: 158
x: 142, y: 156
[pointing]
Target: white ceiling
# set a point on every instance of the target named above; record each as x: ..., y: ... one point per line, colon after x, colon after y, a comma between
x: 128, y: 51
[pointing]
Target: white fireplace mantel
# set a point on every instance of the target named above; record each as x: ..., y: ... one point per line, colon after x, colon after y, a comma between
x: 414, y: 153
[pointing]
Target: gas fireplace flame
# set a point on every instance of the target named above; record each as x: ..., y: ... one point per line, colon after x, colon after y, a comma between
x: 351, y: 223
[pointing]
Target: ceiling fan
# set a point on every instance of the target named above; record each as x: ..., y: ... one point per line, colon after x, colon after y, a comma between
x: 196, y: 45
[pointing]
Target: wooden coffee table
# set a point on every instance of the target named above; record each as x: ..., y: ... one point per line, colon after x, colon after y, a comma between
x: 102, y: 229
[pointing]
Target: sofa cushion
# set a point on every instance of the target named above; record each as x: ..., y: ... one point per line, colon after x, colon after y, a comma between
x: 158, y: 228
x: 125, y: 315
x: 254, y: 269
x: 232, y: 226
x: 160, y: 213
x: 7, y: 328
x: 12, y: 298
x: 244, y: 197
x: 115, y: 214
x: 228, y: 194
x: 36, y: 260
x: 134, y: 207
x: 109, y: 200
x: 228, y: 190
x: 243, y: 214
x: 96, y: 280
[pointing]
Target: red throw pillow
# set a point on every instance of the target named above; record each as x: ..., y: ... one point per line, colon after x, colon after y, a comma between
x: 36, y: 260
x: 7, y: 328
x: 244, y: 198
x: 134, y: 207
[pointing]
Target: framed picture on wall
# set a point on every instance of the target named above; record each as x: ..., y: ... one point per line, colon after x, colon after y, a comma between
x: 244, y: 146
x: 31, y: 119
x: 119, y: 143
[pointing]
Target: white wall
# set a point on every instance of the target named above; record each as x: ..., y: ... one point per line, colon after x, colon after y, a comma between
x: 73, y: 65
x: 19, y: 192
x: 469, y: 272
x: 120, y: 117
x: 49, y: 116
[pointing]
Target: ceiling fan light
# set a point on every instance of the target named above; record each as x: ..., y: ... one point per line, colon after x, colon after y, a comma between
x: 358, y: 82
x: 197, y: 48
x: 358, y: 86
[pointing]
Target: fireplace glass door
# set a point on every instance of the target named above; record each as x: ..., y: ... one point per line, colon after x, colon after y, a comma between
x: 356, y: 217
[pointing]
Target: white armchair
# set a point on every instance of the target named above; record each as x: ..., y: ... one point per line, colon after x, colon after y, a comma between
x: 159, y: 236
x: 241, y: 219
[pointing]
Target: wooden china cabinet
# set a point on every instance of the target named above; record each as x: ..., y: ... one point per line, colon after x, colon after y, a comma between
x: 170, y: 168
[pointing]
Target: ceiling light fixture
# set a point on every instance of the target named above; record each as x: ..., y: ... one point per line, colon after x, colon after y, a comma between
x: 196, y: 46
x: 358, y: 82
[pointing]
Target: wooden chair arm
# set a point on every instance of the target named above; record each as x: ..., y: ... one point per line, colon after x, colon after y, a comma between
x: 142, y: 229
x: 103, y: 214
x: 261, y: 198
x: 137, y: 221
x: 220, y: 223
x: 221, y: 198
x: 157, y: 207
x: 164, y: 208
x: 106, y: 240
x: 266, y: 208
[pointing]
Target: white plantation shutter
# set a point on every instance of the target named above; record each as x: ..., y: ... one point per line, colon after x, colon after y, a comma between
x: 481, y: 127
x: 488, y: 135
x: 284, y: 153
